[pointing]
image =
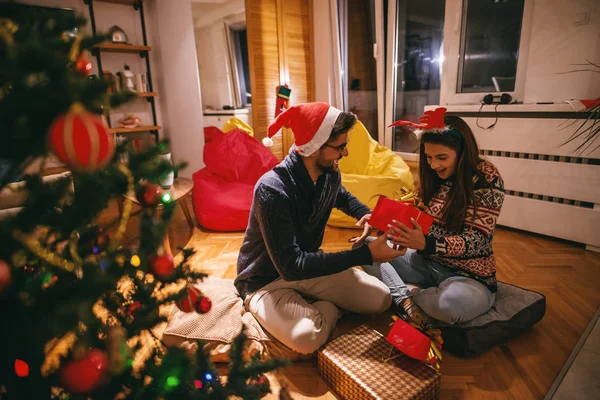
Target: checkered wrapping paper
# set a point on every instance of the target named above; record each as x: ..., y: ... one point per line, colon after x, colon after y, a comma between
x: 352, y: 366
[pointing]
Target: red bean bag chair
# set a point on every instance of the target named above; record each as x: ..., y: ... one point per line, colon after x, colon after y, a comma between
x: 223, y: 190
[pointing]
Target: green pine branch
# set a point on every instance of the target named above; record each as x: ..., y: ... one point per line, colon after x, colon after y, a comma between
x: 68, y: 274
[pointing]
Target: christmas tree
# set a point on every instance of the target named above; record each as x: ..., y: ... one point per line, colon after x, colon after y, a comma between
x: 76, y: 302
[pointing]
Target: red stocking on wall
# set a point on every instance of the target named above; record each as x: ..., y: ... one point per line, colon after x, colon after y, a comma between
x: 283, y: 99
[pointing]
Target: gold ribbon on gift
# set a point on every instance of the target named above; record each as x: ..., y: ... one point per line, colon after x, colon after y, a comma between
x: 404, y: 195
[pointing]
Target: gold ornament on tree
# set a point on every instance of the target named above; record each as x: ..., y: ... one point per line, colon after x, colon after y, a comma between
x: 7, y: 30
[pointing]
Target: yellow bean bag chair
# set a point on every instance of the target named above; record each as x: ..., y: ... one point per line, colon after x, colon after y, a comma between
x: 369, y: 170
x: 233, y: 123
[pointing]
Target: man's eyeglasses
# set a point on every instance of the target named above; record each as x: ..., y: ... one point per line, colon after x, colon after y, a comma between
x: 339, y: 148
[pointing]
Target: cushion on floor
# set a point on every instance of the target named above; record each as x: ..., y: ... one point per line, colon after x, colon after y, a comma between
x: 515, y: 311
x: 221, y: 325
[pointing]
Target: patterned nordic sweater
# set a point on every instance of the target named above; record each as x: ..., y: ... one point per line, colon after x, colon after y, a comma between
x: 469, y: 250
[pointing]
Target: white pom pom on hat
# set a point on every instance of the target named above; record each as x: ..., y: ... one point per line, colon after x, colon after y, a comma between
x: 267, y: 142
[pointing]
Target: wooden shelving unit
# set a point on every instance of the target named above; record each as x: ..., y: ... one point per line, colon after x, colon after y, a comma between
x: 143, y: 128
x: 143, y: 50
x: 122, y: 48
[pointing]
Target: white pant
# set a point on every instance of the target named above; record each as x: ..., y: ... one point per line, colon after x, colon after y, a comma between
x: 302, y: 314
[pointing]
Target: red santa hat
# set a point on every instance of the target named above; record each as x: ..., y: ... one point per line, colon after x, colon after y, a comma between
x: 311, y: 124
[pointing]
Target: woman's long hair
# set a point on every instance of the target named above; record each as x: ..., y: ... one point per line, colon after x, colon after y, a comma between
x: 465, y: 173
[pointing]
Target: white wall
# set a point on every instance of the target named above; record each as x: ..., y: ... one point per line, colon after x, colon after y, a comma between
x: 556, y: 44
x: 179, y: 86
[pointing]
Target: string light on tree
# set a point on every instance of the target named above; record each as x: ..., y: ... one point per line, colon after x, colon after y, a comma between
x: 21, y: 368
x: 135, y: 261
x: 83, y: 66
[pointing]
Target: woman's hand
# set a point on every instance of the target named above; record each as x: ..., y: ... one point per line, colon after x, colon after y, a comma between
x: 364, y: 223
x: 404, y: 236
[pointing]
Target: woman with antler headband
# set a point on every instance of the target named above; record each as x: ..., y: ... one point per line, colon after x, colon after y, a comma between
x: 454, y: 264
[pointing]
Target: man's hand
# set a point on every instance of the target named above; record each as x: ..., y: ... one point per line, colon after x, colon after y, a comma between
x: 364, y: 223
x: 404, y: 236
x: 381, y: 252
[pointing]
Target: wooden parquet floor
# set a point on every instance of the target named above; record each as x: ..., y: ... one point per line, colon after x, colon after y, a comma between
x: 523, y: 369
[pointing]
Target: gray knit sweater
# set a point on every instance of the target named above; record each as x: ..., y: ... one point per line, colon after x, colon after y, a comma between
x: 286, y: 227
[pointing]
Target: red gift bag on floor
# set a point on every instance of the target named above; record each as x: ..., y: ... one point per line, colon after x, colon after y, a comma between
x: 387, y: 210
x: 409, y: 340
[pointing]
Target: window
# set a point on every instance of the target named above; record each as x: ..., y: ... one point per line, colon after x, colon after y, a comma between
x: 358, y: 35
x: 415, y: 43
x: 240, y: 44
x: 240, y: 69
x: 486, y: 49
x: 490, y: 38
x: 427, y: 53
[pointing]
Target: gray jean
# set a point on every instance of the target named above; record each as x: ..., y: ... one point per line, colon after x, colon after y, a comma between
x: 442, y: 294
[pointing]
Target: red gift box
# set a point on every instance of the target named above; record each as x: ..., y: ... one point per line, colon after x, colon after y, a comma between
x: 387, y: 210
x: 409, y: 340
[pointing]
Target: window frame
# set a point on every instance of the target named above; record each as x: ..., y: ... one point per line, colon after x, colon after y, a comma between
x: 454, y: 26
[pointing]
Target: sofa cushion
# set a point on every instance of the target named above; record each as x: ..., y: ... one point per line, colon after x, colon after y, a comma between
x: 217, y: 329
x: 14, y: 194
x: 515, y: 311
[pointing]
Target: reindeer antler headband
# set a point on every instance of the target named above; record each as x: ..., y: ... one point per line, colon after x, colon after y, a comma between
x: 430, y: 121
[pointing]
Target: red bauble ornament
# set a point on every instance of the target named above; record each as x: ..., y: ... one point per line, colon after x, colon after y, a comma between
x: 81, y: 140
x: 162, y: 266
x: 263, y: 383
x: 203, y: 305
x: 188, y: 303
x: 83, y: 66
x: 5, y: 275
x: 133, y: 306
x: 21, y: 368
x: 84, y: 375
x: 148, y: 194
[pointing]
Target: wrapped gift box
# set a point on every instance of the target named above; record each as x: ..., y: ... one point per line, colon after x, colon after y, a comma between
x: 388, y: 209
x: 352, y: 366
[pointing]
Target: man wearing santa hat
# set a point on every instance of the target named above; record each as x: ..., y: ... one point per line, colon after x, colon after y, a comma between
x: 294, y: 289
